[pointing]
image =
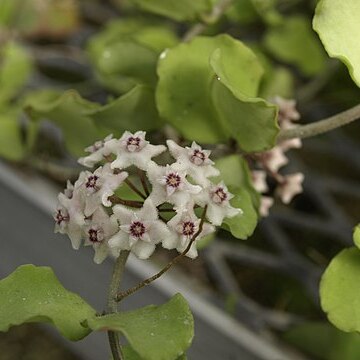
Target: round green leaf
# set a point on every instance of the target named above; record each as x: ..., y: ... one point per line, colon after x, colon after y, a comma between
x: 126, y: 51
x: 243, y: 225
x: 339, y: 290
x: 185, y: 95
x: 356, y: 236
x: 130, y: 354
x: 15, y: 69
x: 11, y: 146
x: 324, y: 341
x: 34, y: 294
x: 129, y: 59
x: 69, y: 112
x: 175, y: 9
x: 154, y: 332
x: 134, y: 111
x: 337, y: 23
x: 295, y: 43
x: 251, y: 121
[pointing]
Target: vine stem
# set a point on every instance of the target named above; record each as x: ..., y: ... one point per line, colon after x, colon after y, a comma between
x: 112, y: 303
x: 217, y: 11
x: 321, y: 126
x: 149, y: 280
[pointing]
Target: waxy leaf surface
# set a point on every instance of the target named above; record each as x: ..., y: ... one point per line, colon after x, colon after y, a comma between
x: 34, y: 294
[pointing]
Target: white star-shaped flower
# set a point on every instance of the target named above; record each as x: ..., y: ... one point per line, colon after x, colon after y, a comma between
x: 97, y: 232
x: 194, y: 161
x: 140, y: 230
x: 133, y: 149
x: 184, y: 225
x: 266, y: 202
x: 259, y: 181
x: 96, y: 187
x: 291, y: 186
x: 170, y: 185
x: 69, y: 215
x: 274, y: 159
x: 287, y: 110
x: 98, y: 151
x: 217, y: 197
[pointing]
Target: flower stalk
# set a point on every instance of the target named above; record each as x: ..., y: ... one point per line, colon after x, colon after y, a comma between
x: 322, y: 126
x: 112, y: 303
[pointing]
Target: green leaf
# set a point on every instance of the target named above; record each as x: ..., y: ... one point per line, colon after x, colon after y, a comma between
x: 15, y: 69
x: 129, y: 59
x: 339, y: 290
x: 324, y: 341
x: 243, y: 225
x: 43, y: 17
x: 337, y: 23
x: 11, y: 146
x: 235, y: 172
x: 134, y: 111
x: 154, y: 332
x: 279, y: 82
x: 125, y: 52
x: 189, y: 96
x: 251, y: 121
x: 295, y: 43
x: 177, y: 10
x: 356, y: 236
x: 69, y: 111
x: 34, y: 294
x: 131, y: 354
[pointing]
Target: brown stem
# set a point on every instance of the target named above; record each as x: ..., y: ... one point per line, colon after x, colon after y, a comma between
x: 143, y: 182
x: 148, y: 281
x: 217, y: 11
x: 134, y: 188
x: 112, y: 306
x: 131, y: 203
x: 321, y: 126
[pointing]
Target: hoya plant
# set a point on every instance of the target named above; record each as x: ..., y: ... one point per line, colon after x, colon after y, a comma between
x: 189, y: 137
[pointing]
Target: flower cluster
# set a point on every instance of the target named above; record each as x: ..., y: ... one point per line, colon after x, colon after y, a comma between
x: 269, y: 163
x: 172, y: 197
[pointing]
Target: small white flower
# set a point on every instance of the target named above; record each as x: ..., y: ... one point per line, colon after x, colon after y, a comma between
x: 98, y: 231
x: 170, y: 185
x: 98, y: 151
x: 274, y: 159
x: 184, y: 226
x: 286, y: 145
x: 217, y: 197
x: 194, y: 160
x: 140, y: 230
x: 287, y: 109
x: 291, y: 186
x: 266, y: 202
x: 96, y: 187
x: 259, y: 181
x: 69, y: 215
x: 133, y: 149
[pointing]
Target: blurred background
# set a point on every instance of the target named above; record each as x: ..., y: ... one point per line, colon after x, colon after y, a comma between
x: 268, y: 284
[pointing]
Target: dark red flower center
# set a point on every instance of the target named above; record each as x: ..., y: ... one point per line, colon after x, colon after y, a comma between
x: 198, y: 157
x: 94, y: 235
x: 91, y: 182
x: 61, y: 216
x: 137, y: 229
x: 188, y: 228
x: 173, y: 180
x: 219, y: 195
